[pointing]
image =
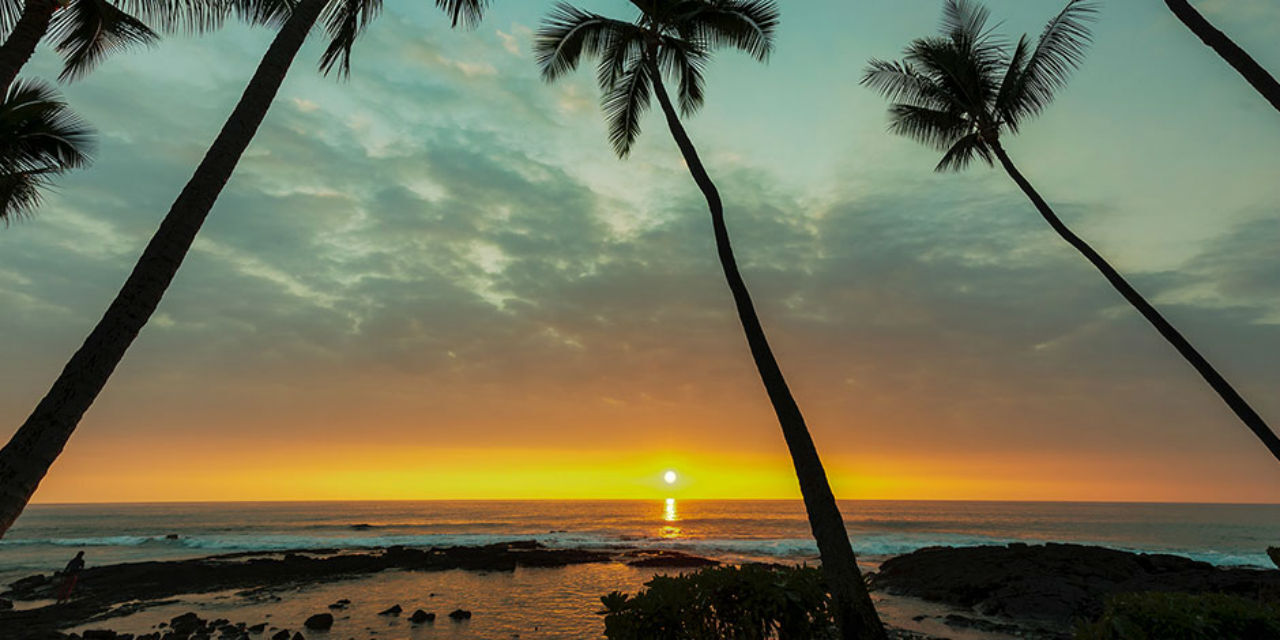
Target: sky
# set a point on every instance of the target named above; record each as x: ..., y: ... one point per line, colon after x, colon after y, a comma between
x: 435, y: 280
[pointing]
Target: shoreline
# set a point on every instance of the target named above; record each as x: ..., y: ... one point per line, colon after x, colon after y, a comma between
x: 523, y: 587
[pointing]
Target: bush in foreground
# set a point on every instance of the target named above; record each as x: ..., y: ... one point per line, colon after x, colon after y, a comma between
x: 751, y: 602
x: 1182, y: 616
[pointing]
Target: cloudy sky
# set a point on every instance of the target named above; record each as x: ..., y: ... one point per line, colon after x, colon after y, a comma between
x: 435, y: 280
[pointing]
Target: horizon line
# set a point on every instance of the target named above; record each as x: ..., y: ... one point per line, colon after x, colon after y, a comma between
x: 655, y: 499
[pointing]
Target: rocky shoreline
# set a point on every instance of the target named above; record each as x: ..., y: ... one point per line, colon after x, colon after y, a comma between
x: 1043, y: 590
x: 111, y: 591
x: 1031, y: 591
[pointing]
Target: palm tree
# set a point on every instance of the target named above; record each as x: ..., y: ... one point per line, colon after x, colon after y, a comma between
x: 961, y: 91
x: 39, y: 138
x: 26, y: 458
x: 86, y: 31
x: 1238, y: 58
x: 675, y: 38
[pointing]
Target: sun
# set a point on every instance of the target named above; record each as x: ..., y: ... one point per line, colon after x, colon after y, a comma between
x: 669, y: 477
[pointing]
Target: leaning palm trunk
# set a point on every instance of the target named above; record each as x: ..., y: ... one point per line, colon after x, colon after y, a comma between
x: 1238, y: 58
x: 1206, y: 370
x: 21, y: 43
x: 28, y: 455
x: 851, y: 604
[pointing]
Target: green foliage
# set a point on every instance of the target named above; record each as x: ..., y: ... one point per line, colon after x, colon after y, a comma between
x: 1182, y: 616
x: 751, y: 602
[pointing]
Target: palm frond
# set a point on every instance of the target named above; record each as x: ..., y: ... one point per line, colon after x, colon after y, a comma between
x: 39, y: 139
x: 185, y: 16
x: 20, y: 194
x: 10, y: 11
x: 966, y: 17
x: 570, y: 32
x: 901, y: 82
x: 620, y: 48
x: 87, y: 31
x: 625, y: 103
x: 465, y: 13
x: 746, y: 25
x: 933, y: 127
x: 39, y: 131
x: 268, y: 13
x: 962, y: 153
x: 1011, y: 85
x: 1060, y: 51
x: 685, y: 62
x: 344, y: 21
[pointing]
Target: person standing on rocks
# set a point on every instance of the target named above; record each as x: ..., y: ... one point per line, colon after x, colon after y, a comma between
x: 69, y: 577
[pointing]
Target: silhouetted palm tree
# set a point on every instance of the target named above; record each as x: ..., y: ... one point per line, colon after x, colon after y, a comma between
x: 37, y: 443
x: 39, y: 138
x: 961, y: 92
x: 1238, y: 58
x: 86, y: 31
x: 676, y: 38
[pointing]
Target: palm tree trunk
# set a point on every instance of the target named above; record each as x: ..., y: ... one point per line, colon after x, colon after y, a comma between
x: 854, y: 612
x: 1253, y: 72
x: 28, y: 455
x: 1242, y: 409
x: 32, y: 24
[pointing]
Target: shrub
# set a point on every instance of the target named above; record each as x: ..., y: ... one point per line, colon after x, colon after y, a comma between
x: 751, y: 602
x: 1183, y: 616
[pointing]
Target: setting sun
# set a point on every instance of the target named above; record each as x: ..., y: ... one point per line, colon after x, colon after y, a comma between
x: 669, y: 477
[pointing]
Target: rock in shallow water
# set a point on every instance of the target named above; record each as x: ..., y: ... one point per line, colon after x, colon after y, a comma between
x: 393, y: 611
x: 319, y: 622
x: 460, y: 614
x: 421, y: 616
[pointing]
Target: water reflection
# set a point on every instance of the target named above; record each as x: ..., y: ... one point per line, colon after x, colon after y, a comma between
x: 671, y: 516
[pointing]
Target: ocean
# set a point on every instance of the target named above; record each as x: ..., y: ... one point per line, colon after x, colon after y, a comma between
x: 562, y: 602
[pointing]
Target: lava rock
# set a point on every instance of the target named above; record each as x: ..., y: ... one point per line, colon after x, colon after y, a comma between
x: 99, y: 634
x: 258, y: 628
x: 421, y: 616
x: 1054, y: 584
x: 5, y: 604
x: 282, y: 634
x: 460, y: 614
x: 186, y: 623
x: 393, y: 611
x: 319, y: 622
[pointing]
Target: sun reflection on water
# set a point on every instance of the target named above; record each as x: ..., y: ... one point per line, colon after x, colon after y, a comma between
x: 670, y: 515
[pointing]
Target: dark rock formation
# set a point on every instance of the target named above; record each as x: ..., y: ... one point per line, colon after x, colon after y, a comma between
x: 394, y: 610
x: 1056, y: 584
x: 663, y: 558
x: 282, y: 634
x: 421, y: 616
x: 460, y: 614
x: 319, y: 622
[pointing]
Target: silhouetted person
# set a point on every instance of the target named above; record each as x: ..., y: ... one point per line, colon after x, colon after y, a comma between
x: 69, y: 577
